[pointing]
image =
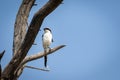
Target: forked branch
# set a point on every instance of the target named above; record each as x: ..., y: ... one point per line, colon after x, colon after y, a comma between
x: 26, y: 44
x: 34, y: 57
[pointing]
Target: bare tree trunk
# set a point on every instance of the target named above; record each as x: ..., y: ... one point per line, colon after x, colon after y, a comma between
x: 21, y: 24
x: 23, y: 40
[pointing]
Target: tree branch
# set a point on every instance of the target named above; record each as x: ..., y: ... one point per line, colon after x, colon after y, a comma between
x: 8, y: 73
x: 1, y: 55
x: 40, y: 54
x: 42, y: 69
x: 34, y: 57
x: 21, y: 24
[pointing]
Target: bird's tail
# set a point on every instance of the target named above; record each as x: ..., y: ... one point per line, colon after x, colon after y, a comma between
x: 45, y: 58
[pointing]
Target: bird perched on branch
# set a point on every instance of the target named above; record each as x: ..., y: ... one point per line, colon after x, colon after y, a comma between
x: 46, y: 40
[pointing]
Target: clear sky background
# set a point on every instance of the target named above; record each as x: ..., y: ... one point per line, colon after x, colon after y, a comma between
x: 89, y: 28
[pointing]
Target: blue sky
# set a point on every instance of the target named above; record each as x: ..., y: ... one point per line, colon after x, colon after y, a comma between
x: 89, y: 28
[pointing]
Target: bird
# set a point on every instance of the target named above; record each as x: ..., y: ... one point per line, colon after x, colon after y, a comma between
x: 47, y: 39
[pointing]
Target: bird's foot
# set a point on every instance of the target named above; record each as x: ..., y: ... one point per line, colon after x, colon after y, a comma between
x: 47, y: 68
x: 49, y: 49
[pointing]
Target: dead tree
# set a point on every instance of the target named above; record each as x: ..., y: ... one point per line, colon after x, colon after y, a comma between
x: 24, y: 38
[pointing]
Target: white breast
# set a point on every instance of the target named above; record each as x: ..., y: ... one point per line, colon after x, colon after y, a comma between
x: 47, y: 39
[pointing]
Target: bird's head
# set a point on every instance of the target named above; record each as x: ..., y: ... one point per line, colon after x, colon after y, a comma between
x: 47, y: 29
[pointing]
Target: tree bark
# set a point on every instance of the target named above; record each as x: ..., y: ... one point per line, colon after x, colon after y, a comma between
x: 22, y: 46
x: 21, y: 24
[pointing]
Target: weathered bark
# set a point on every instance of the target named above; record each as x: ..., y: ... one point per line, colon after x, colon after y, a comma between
x: 22, y: 46
x: 21, y: 24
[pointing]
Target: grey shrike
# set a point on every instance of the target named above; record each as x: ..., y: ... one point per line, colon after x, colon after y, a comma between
x: 46, y: 40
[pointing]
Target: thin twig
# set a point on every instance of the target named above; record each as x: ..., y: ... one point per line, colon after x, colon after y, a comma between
x: 1, y: 54
x: 42, y: 69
